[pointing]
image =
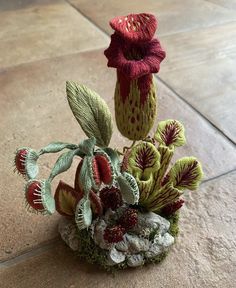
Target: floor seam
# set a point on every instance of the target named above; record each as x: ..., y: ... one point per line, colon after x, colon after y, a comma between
x: 89, y: 19
x: 195, y: 110
x: 35, y: 251
x: 9, y: 68
x: 219, y: 176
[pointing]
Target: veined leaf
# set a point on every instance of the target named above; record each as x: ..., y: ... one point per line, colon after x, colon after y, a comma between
x: 170, y: 133
x: 186, y: 173
x: 91, y: 111
x: 166, y: 195
x: 143, y: 160
x: 66, y: 199
x: 145, y: 188
x: 83, y: 214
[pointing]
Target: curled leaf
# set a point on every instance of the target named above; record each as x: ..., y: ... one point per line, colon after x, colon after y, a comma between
x: 55, y: 147
x: 83, y: 214
x: 170, y: 133
x: 66, y: 199
x: 129, y: 188
x: 63, y: 163
x: 91, y: 111
x: 143, y: 160
x: 186, y: 173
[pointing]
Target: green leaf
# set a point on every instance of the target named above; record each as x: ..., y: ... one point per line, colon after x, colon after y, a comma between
x: 83, y: 214
x: 143, y: 160
x: 31, y: 166
x: 145, y: 188
x: 55, y: 147
x: 186, y: 173
x: 87, y: 146
x: 129, y: 188
x: 163, y: 197
x: 91, y: 111
x: 85, y: 178
x: 170, y: 133
x: 114, y: 157
x: 66, y: 199
x: 63, y: 163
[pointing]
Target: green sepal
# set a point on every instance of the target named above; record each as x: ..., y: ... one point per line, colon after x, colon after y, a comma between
x: 63, y: 163
x: 186, y: 173
x: 144, y: 159
x: 91, y: 111
x: 55, y: 147
x: 129, y: 188
x: 83, y: 214
x: 170, y: 133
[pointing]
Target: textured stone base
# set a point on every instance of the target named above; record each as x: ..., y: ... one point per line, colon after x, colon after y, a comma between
x: 149, y: 242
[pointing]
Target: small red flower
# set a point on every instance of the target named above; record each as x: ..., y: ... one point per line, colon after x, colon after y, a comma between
x: 114, y: 234
x: 172, y: 208
x: 20, y: 160
x: 129, y: 219
x: 111, y: 198
x: 33, y: 195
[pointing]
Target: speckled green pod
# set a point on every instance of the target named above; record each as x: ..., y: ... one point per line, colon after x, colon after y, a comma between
x: 135, y: 106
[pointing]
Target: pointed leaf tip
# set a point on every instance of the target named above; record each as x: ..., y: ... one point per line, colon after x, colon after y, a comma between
x: 91, y: 111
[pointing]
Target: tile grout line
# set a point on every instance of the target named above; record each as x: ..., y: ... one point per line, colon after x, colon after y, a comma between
x: 88, y: 19
x: 195, y: 110
x: 161, y: 80
x: 35, y: 251
x: 218, y: 176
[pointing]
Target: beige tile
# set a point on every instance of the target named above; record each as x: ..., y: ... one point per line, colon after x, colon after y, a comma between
x: 189, y: 49
x: 173, y: 15
x: 43, y: 31
x: 231, y: 4
x: 204, y: 255
x: 20, y: 4
x: 34, y: 112
x: 210, y: 88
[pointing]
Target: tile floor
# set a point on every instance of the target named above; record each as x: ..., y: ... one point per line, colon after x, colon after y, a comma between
x: 43, y: 44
